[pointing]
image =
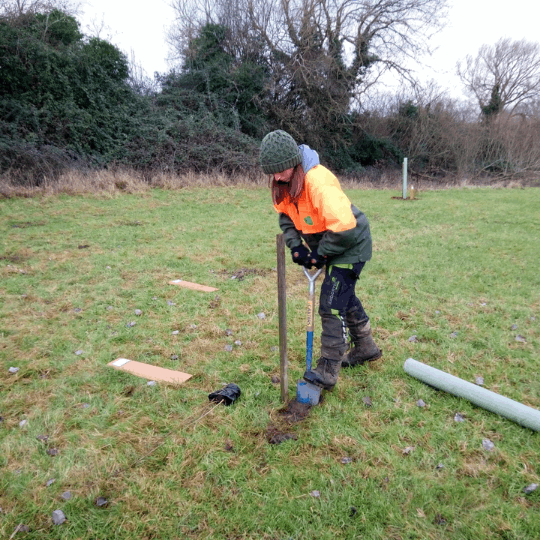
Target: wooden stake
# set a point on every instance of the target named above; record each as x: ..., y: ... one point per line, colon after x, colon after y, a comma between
x: 282, y: 310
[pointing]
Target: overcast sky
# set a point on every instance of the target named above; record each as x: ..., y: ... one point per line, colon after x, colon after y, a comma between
x: 139, y: 28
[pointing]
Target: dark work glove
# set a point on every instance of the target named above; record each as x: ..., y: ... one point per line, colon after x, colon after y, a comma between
x: 300, y: 255
x: 316, y: 260
x: 228, y: 394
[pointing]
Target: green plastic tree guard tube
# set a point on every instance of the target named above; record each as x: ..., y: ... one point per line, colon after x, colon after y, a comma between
x: 491, y: 401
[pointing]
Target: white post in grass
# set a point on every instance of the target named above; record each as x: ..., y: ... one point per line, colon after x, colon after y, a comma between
x: 404, y: 178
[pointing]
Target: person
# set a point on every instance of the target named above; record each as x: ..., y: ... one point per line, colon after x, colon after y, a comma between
x: 322, y: 228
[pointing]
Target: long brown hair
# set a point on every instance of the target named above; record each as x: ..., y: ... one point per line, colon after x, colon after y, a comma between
x: 290, y: 191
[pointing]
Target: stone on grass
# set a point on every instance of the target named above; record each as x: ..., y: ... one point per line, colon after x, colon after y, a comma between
x: 440, y: 467
x: 151, y: 383
x: 50, y: 482
x: 53, y: 451
x: 458, y: 418
x: 421, y: 403
x: 13, y: 370
x: 42, y: 438
x: 79, y: 352
x: 131, y: 324
x: 514, y: 327
x: 367, y: 401
x: 138, y: 312
x: 408, y: 450
x: 170, y: 303
x: 228, y: 348
x: 413, y: 339
x: 23, y: 423
x: 238, y: 343
x: 174, y: 357
x: 66, y: 495
x: 521, y: 339
x: 454, y: 335
x: 58, y: 517
x: 175, y: 332
x: 275, y: 379
x: 228, y: 332
x: 346, y: 460
x: 261, y: 315
x: 480, y: 381
x: 488, y: 445
x: 530, y: 488
x: 315, y: 493
x: 101, y: 501
x: 20, y: 528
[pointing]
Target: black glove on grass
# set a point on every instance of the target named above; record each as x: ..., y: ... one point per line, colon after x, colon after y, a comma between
x: 300, y: 255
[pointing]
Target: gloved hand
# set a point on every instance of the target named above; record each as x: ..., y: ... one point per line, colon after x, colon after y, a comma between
x: 316, y: 260
x: 300, y: 255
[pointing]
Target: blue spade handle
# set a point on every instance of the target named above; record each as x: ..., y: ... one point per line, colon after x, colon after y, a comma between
x: 311, y: 314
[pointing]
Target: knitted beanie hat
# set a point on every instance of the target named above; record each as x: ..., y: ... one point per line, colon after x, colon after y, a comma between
x: 279, y: 152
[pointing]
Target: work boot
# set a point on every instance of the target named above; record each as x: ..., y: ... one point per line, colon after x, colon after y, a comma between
x: 363, y: 347
x: 325, y: 374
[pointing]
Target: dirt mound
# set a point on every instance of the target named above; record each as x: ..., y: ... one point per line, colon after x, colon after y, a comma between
x: 276, y: 436
x: 295, y: 411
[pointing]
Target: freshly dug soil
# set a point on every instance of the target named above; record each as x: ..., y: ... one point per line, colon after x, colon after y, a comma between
x: 278, y: 431
x: 275, y: 436
x: 295, y: 411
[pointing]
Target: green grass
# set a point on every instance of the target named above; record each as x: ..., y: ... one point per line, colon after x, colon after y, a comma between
x: 457, y: 268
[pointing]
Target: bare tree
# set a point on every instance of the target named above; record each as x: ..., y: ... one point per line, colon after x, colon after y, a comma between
x: 16, y: 8
x: 321, y: 54
x: 505, y: 76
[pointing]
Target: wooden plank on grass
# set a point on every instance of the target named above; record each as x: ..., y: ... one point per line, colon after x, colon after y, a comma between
x: 190, y: 285
x: 147, y: 371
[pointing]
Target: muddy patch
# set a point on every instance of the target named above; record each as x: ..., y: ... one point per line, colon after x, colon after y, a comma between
x: 243, y: 272
x: 26, y: 224
x: 12, y: 258
x: 294, y: 411
x: 275, y: 435
x: 279, y: 430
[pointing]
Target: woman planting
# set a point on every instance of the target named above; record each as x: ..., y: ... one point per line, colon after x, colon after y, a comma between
x: 322, y: 227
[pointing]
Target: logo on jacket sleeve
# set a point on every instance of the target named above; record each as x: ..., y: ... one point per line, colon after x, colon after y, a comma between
x: 308, y: 220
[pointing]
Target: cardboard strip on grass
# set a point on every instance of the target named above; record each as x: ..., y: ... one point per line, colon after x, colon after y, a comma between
x: 147, y: 371
x: 190, y: 285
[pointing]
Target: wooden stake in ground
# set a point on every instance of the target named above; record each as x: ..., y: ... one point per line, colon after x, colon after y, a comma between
x: 282, y: 309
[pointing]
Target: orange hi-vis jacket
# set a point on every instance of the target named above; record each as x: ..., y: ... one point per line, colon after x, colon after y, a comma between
x: 322, y: 205
x: 325, y: 218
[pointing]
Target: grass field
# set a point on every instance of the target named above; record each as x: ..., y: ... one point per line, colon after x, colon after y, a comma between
x: 456, y: 268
